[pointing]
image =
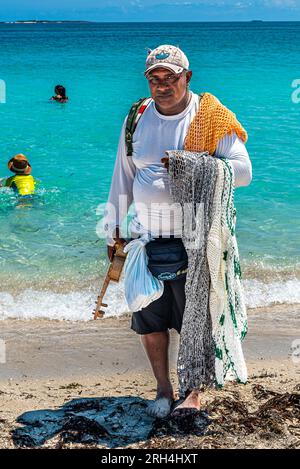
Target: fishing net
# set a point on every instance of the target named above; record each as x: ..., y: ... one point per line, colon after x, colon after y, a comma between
x: 193, y: 178
x: 214, y: 320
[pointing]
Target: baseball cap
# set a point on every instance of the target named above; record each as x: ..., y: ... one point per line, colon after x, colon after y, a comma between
x: 167, y: 56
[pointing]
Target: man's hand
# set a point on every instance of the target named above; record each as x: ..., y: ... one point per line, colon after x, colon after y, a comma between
x: 165, y: 161
x: 111, y: 250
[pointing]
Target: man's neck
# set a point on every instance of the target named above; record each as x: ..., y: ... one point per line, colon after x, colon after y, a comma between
x: 178, y: 108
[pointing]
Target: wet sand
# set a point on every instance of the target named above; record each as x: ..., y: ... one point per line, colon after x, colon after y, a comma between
x: 50, y: 363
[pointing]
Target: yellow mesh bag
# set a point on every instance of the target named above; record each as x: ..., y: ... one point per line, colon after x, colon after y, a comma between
x: 211, y: 123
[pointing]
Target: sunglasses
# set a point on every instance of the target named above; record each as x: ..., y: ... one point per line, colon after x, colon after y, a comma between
x: 168, y: 80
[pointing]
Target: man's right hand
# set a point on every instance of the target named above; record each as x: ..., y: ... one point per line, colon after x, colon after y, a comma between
x: 111, y: 250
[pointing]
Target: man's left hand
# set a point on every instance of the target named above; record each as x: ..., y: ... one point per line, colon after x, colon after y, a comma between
x: 165, y: 161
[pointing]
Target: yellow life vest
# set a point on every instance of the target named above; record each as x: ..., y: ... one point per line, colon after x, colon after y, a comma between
x: 21, y: 183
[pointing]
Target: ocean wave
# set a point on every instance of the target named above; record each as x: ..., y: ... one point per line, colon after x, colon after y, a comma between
x: 79, y: 305
x: 259, y: 294
x: 271, y: 269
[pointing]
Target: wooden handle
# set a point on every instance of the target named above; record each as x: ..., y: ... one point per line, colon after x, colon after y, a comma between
x: 98, y: 312
x: 113, y: 273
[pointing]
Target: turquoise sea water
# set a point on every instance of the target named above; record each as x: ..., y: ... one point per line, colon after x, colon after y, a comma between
x: 49, y: 249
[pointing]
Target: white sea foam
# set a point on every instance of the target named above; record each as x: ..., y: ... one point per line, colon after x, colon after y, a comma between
x: 259, y: 294
x: 71, y: 306
x: 78, y: 305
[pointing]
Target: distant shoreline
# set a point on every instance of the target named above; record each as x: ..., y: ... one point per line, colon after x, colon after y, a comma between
x: 44, y: 21
x: 138, y: 22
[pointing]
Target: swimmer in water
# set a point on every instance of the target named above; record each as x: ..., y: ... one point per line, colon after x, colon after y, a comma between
x: 60, y: 94
x: 23, y: 183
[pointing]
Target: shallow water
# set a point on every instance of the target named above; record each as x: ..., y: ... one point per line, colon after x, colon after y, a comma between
x: 51, y: 244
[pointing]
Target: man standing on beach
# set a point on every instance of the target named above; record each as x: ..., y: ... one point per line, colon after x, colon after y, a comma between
x: 142, y: 178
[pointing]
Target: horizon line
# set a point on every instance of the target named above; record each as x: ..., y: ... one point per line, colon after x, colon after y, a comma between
x: 156, y: 22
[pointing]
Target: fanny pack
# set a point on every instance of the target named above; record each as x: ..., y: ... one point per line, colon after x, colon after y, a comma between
x: 167, y: 258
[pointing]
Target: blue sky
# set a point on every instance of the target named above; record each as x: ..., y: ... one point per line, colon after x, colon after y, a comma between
x: 151, y: 10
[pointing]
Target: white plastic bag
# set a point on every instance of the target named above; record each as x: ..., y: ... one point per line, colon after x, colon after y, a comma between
x: 141, y: 287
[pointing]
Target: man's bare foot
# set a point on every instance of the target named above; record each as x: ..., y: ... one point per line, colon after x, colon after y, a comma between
x: 161, y: 406
x: 189, y: 406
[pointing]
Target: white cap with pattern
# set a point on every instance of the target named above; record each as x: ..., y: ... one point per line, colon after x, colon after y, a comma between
x: 167, y: 56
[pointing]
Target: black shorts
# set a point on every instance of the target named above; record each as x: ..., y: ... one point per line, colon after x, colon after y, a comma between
x: 164, y: 313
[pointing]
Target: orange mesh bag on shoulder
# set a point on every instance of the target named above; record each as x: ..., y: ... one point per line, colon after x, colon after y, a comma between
x: 211, y: 123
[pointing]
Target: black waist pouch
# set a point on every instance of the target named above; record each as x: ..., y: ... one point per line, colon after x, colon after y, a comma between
x: 167, y: 258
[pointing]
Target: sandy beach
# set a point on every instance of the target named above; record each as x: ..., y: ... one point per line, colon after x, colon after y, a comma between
x: 66, y: 376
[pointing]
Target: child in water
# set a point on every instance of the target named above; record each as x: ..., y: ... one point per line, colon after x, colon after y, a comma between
x: 60, y: 94
x: 22, y: 182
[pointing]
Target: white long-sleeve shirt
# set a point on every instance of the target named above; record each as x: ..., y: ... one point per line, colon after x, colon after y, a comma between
x: 143, y: 179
